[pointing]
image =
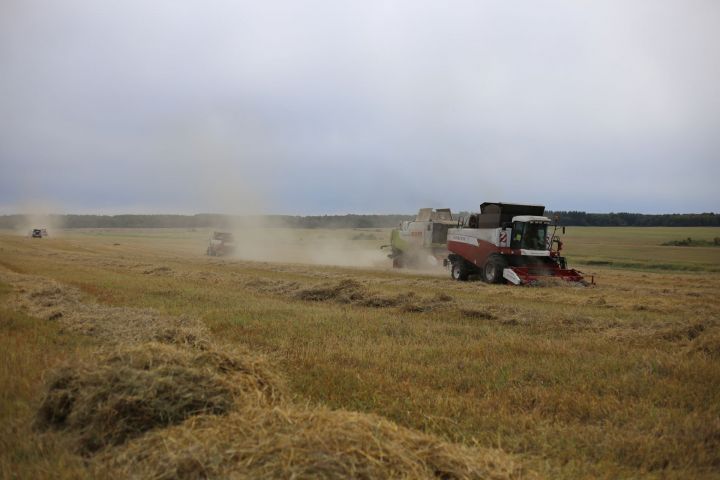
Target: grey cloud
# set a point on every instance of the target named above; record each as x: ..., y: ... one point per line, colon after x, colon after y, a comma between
x: 331, y: 107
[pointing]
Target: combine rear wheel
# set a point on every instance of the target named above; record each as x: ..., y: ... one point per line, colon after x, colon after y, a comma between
x: 459, y: 271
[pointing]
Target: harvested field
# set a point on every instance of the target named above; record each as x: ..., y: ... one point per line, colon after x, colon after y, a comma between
x: 619, y: 380
x: 353, y: 292
x: 44, y: 298
x: 301, y: 443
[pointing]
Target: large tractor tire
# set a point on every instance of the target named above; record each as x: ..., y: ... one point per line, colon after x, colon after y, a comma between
x: 459, y: 270
x: 492, y: 272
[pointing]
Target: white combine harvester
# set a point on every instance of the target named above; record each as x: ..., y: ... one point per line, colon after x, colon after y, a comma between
x: 422, y: 242
x: 508, y: 242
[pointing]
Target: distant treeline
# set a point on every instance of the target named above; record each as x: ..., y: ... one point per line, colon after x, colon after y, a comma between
x: 202, y: 221
x: 637, y: 219
x: 570, y: 218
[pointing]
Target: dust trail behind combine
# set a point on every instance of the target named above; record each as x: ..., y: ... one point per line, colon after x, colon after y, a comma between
x: 340, y: 247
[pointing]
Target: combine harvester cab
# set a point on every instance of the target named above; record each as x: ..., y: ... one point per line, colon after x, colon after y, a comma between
x: 38, y: 233
x: 422, y: 242
x: 508, y: 242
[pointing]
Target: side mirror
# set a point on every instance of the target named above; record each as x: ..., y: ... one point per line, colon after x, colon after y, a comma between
x: 563, y: 230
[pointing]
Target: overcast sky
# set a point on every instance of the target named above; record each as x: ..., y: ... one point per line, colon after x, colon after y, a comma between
x: 311, y: 107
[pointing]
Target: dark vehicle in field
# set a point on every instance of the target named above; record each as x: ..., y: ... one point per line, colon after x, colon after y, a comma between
x: 220, y: 244
x: 38, y: 233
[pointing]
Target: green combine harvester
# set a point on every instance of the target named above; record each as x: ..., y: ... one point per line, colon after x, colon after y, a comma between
x: 422, y: 242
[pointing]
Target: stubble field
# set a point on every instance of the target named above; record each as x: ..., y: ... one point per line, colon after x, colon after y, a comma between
x: 619, y: 380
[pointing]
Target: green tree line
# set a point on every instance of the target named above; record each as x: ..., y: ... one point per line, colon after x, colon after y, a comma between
x: 569, y: 218
x: 622, y: 219
x: 202, y: 221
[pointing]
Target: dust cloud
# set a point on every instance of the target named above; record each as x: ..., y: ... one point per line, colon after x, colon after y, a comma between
x: 340, y: 247
x: 241, y: 176
x: 37, y: 215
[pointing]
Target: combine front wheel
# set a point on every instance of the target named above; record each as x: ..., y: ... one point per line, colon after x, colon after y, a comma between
x: 493, y: 269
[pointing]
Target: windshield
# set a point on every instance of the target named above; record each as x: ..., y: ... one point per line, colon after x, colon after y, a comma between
x: 534, y: 238
x: 529, y: 236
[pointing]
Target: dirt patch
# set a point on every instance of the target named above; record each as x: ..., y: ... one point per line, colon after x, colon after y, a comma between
x: 345, y: 291
x: 478, y: 314
x: 127, y: 391
x: 158, y: 271
x: 442, y: 297
x: 273, y: 287
x: 682, y: 333
x: 707, y: 344
x: 300, y: 443
x: 600, y: 302
x: 353, y: 292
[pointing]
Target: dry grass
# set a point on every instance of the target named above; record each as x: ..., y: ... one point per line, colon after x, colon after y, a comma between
x: 301, y: 443
x: 126, y: 391
x: 128, y: 388
x: 76, y: 313
x: 350, y: 291
x: 28, y: 349
x: 620, y: 380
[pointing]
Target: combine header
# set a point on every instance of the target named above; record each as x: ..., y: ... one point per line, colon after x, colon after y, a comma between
x: 508, y: 242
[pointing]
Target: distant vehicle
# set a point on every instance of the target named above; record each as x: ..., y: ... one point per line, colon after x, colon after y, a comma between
x: 221, y: 243
x: 422, y: 242
x: 38, y: 233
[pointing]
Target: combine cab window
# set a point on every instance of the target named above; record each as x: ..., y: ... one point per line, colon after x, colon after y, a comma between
x: 534, y: 238
x: 529, y: 236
